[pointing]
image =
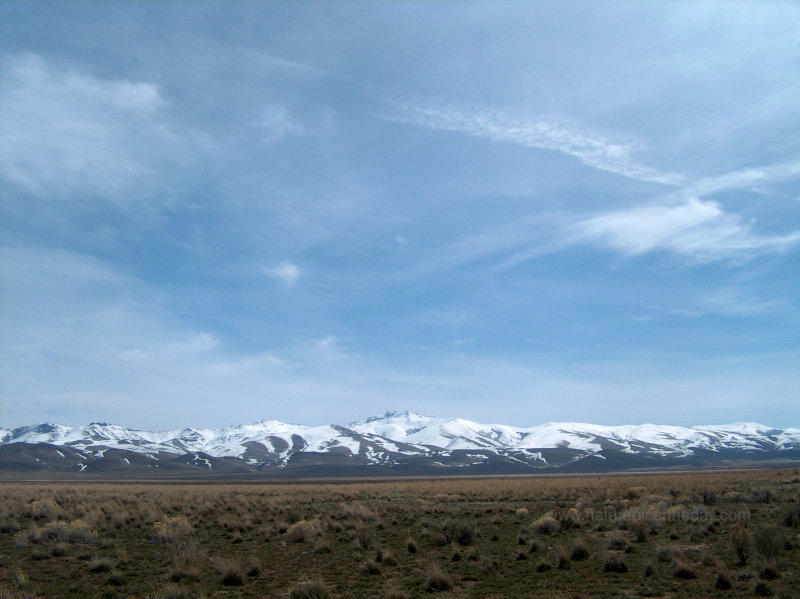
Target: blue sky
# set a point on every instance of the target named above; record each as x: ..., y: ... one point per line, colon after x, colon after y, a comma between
x: 315, y: 212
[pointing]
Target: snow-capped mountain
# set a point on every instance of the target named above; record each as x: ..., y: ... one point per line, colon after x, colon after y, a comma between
x: 395, y: 442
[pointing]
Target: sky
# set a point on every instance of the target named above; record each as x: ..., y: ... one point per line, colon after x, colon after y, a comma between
x: 219, y: 213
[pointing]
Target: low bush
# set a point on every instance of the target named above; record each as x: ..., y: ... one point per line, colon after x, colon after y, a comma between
x: 579, y: 552
x: 437, y: 580
x: 173, y: 530
x: 100, y: 564
x: 741, y: 541
x: 459, y: 531
x: 614, y: 563
x: 411, y: 546
x: 546, y: 525
x: 310, y: 589
x: 768, y: 541
x: 724, y: 582
x: 684, y: 571
x: 303, y: 530
x: 230, y: 572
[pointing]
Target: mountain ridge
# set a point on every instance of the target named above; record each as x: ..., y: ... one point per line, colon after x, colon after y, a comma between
x: 396, y: 441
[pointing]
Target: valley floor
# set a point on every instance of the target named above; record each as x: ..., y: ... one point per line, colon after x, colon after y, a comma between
x: 716, y: 534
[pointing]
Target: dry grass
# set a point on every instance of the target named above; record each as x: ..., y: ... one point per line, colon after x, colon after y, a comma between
x: 437, y: 580
x: 682, y: 536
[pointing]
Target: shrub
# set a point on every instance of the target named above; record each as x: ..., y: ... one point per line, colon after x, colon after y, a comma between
x: 614, y: 563
x: 76, y: 531
x: 566, y: 517
x: 437, y: 580
x: 639, y: 527
x: 100, y: 564
x: 762, y: 590
x: 724, y: 582
x: 372, y: 567
x: 546, y: 525
x: 617, y: 543
x: 365, y: 537
x: 230, y: 572
x: 579, y: 552
x: 173, y: 530
x: 253, y: 568
x: 665, y: 554
x: 359, y: 512
x: 187, y: 561
x: 740, y: 539
x: 769, y: 541
x: 459, y: 531
x: 538, y: 546
x: 411, y: 546
x: 310, y: 589
x: 170, y: 591
x: 303, y: 530
x: 635, y: 492
x: 9, y: 525
x: 487, y: 565
x: 543, y: 567
x: 768, y: 573
x: 791, y: 516
x: 385, y: 556
x: 684, y: 572
x: 45, y: 509
x: 322, y: 546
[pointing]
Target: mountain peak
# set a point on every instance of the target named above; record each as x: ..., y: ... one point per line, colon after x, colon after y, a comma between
x: 393, y: 415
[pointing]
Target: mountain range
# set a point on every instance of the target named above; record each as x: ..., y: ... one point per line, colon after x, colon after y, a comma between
x: 395, y: 443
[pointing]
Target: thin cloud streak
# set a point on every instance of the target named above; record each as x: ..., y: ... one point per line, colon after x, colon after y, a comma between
x: 591, y: 148
x: 746, y: 178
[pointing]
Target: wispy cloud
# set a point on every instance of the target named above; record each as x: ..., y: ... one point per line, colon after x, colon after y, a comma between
x: 699, y: 230
x: 286, y: 271
x: 561, y: 135
x: 732, y: 301
x: 276, y: 123
x: 746, y: 178
x: 66, y: 130
x: 186, y: 348
x: 200, y: 343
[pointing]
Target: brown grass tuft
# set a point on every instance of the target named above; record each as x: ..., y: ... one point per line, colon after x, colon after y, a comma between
x: 546, y: 525
x: 437, y: 580
x: 310, y: 589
